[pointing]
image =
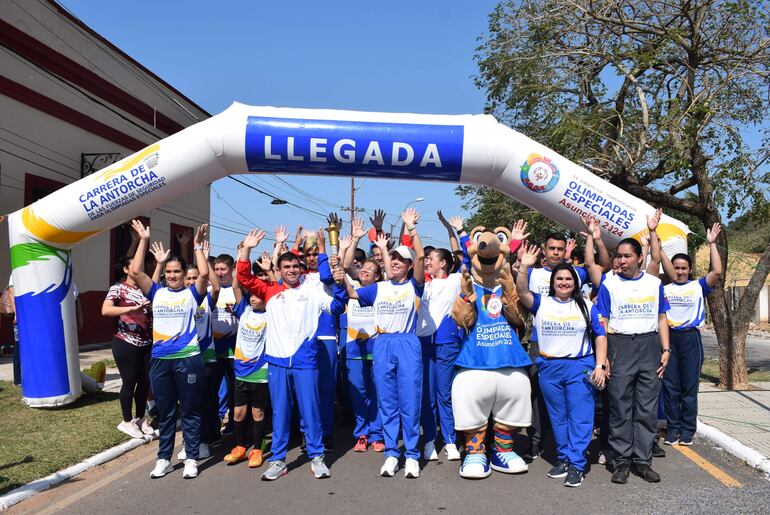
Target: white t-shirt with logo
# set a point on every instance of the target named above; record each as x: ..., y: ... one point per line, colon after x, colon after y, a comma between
x: 561, y: 327
x: 395, y: 305
x: 632, y: 306
x: 434, y: 314
x: 688, y: 303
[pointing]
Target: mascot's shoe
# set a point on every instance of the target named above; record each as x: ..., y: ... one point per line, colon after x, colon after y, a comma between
x: 475, y: 466
x: 508, y: 462
x: 429, y: 451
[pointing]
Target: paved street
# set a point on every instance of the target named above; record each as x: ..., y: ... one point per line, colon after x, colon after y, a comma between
x: 757, y: 350
x: 124, y: 486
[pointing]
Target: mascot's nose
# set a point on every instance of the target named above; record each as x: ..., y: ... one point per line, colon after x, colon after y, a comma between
x: 482, y: 245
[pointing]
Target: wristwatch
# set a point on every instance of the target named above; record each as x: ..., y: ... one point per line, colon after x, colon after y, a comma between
x: 602, y: 366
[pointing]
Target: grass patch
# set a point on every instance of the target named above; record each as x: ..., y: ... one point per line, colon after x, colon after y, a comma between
x: 36, y: 442
x: 710, y: 373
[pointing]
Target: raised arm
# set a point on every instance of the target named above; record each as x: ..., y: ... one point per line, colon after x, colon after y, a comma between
x: 280, y: 238
x: 347, y: 253
x: 297, y: 238
x: 202, y: 282
x: 246, y: 279
x: 213, y: 279
x: 653, y: 268
x: 382, y: 243
x: 594, y: 271
x: 715, y: 275
x: 355, y: 237
x: 136, y: 270
x: 410, y: 218
x: 526, y: 261
x: 266, y: 264
x: 453, y: 243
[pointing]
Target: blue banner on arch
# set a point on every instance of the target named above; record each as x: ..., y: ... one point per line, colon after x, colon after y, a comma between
x: 364, y: 149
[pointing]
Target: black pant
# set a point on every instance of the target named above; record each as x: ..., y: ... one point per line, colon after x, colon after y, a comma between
x: 633, y: 389
x: 134, y: 366
x: 225, y: 368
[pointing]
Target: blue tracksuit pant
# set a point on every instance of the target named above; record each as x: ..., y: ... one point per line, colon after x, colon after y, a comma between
x: 438, y: 371
x: 398, y: 380
x: 363, y: 398
x: 327, y: 383
x: 287, y: 386
x: 569, y: 400
x: 178, y: 380
x: 680, y: 382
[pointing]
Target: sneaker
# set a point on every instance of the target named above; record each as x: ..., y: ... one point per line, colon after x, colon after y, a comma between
x: 533, y: 452
x: 390, y: 467
x: 560, y: 470
x: 646, y: 473
x: 378, y: 446
x: 508, y: 462
x: 190, y: 469
x: 574, y: 478
x: 412, y: 468
x: 452, y: 454
x: 657, y: 450
x: 203, y: 451
x: 602, y: 458
x: 429, y: 452
x: 277, y: 469
x: 228, y: 429
x: 182, y: 455
x: 236, y: 455
x: 620, y: 476
x: 130, y: 429
x: 475, y: 466
x: 671, y: 439
x: 319, y: 468
x: 144, y: 426
x: 361, y: 444
x: 162, y: 467
x: 256, y: 458
x: 687, y: 442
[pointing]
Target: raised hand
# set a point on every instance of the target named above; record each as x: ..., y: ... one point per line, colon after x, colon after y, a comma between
x: 410, y: 216
x: 253, y: 238
x: 334, y: 218
x: 654, y: 220
x: 160, y: 254
x: 280, y: 234
x: 264, y: 261
x: 382, y: 242
x: 184, y: 238
x: 378, y: 219
x: 200, y: 235
x: 321, y: 235
x: 713, y: 233
x: 456, y: 223
x: 519, y: 230
x: 207, y: 248
x: 345, y: 242
x: 141, y: 231
x: 358, y: 228
x: 443, y: 220
x: 528, y: 254
x: 592, y: 226
x: 571, y: 244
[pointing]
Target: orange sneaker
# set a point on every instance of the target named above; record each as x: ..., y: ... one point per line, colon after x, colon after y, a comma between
x: 378, y: 446
x: 255, y: 458
x: 237, y: 454
x: 361, y: 444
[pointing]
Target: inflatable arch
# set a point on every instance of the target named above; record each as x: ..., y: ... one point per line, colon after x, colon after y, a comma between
x: 469, y: 148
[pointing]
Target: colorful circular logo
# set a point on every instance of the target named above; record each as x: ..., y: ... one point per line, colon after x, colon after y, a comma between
x: 539, y: 174
x: 494, y: 306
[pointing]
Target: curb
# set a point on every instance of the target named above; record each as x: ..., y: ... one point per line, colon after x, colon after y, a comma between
x: 741, y: 451
x: 25, y: 492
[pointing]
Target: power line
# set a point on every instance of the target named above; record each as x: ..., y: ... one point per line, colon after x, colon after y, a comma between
x: 281, y: 201
x: 38, y: 164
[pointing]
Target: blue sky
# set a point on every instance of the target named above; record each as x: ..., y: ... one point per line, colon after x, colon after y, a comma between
x: 392, y: 56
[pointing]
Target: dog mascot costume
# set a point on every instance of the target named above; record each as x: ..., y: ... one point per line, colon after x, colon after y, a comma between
x: 492, y: 365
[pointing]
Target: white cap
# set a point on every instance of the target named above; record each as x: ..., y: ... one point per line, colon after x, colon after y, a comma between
x: 405, y: 252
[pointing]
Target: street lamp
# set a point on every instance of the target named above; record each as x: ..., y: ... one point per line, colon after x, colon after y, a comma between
x: 418, y: 199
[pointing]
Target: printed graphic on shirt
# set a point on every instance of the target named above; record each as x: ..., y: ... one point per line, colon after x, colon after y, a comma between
x: 173, y: 331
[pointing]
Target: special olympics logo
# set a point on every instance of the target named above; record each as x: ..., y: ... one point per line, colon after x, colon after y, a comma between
x: 494, y: 306
x: 539, y: 174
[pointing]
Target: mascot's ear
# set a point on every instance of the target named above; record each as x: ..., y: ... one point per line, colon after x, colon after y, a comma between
x: 504, y: 235
x: 476, y: 233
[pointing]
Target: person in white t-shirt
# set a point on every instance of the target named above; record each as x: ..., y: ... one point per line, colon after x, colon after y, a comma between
x: 687, y: 297
x: 568, y: 366
x: 633, y: 306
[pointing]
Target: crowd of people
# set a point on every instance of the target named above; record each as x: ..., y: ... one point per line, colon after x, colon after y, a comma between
x: 600, y: 341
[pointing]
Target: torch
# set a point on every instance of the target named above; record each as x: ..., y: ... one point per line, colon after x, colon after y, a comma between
x: 334, y: 241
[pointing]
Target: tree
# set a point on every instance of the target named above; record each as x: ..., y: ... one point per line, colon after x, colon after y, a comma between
x: 661, y: 98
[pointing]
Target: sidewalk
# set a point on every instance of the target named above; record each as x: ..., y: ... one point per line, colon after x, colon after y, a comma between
x: 744, y: 416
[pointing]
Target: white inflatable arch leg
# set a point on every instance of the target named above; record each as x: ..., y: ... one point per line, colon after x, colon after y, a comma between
x: 471, y: 149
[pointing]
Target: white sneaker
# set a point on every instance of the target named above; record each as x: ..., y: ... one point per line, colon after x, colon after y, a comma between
x: 412, y: 468
x: 204, y: 452
x: 390, y: 467
x: 130, y: 429
x: 162, y: 467
x: 429, y: 452
x: 452, y: 454
x: 190, y: 469
x: 144, y: 426
x: 182, y: 454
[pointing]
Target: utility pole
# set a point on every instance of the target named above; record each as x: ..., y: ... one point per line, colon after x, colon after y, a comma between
x: 352, y: 209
